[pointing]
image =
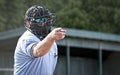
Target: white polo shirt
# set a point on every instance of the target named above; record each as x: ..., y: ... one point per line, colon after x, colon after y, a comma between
x: 26, y: 64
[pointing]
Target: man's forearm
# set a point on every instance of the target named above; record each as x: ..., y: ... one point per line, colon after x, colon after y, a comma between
x: 43, y: 47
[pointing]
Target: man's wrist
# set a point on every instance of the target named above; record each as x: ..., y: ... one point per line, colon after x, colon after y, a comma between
x: 50, y: 37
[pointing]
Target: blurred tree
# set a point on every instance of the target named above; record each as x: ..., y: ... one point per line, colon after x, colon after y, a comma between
x: 94, y: 15
x: 11, y: 14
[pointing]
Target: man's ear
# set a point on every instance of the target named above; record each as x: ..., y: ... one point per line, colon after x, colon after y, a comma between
x: 27, y: 23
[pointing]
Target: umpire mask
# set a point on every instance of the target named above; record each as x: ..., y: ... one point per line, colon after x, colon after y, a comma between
x: 40, y: 20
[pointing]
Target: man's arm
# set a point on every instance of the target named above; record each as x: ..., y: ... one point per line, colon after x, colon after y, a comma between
x: 44, y: 46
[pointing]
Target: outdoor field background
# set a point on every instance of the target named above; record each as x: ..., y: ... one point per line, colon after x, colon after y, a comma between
x: 92, y: 43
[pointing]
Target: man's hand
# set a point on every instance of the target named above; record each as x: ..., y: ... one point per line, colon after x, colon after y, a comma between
x: 57, y: 33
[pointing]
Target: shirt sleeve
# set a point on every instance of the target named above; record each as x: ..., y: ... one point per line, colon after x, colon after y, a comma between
x: 27, y: 46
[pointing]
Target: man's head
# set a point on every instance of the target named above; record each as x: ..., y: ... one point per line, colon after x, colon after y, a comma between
x: 39, y: 20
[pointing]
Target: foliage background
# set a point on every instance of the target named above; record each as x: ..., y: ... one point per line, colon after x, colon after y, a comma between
x: 93, y: 15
